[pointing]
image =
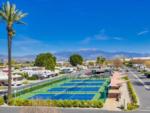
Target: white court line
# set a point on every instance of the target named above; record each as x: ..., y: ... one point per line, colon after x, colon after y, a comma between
x: 146, y: 86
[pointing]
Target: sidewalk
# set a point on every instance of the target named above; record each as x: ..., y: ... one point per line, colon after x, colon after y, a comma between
x: 125, y: 97
x: 111, y: 105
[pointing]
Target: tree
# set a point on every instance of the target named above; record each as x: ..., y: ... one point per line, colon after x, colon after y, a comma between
x: 46, y: 60
x: 13, y: 62
x: 147, y: 63
x: 76, y: 59
x: 128, y: 63
x: 117, y: 63
x: 137, y: 61
x: 1, y: 62
x: 10, y: 15
x: 100, y: 60
x: 91, y: 63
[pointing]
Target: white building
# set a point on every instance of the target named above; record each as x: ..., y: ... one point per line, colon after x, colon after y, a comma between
x: 3, y: 77
x: 137, y: 58
x: 16, y: 79
x: 39, y: 71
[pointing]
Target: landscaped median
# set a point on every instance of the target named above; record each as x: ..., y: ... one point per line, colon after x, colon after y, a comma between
x: 134, y: 98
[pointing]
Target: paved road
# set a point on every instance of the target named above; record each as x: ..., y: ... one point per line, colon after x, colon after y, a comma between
x: 141, y: 85
x: 65, y: 110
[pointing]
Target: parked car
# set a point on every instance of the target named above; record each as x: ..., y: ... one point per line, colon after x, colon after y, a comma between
x: 67, y: 70
x: 147, y: 74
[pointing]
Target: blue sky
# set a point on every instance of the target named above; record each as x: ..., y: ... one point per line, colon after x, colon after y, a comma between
x: 66, y: 25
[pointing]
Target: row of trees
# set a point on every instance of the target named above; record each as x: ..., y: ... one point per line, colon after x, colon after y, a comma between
x: 48, y: 60
x: 78, y: 60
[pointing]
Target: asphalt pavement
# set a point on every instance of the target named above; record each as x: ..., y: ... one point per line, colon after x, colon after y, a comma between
x: 141, y: 85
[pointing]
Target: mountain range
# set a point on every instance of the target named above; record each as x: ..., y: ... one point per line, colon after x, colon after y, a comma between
x: 87, y: 54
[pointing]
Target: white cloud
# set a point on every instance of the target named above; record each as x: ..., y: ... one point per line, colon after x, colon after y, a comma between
x: 102, y: 35
x: 143, y: 32
x: 118, y: 38
x: 86, y: 40
x: 23, y: 40
x: 85, y: 49
x: 28, y: 45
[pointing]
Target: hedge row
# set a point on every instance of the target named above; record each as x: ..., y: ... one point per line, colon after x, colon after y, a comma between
x: 134, y: 104
x: 37, y: 87
x: 58, y: 103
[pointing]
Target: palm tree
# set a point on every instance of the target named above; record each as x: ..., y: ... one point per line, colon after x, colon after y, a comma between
x: 10, y: 15
x: 100, y: 60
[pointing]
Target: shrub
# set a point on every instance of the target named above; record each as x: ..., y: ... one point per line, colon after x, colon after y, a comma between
x: 16, y: 67
x: 97, y: 104
x: 87, y: 104
x: 33, y: 77
x: 81, y: 104
x: 143, y: 71
x: 134, y: 103
x: 67, y: 103
x: 132, y: 106
x: 25, y: 82
x: 1, y: 101
x: 76, y: 103
x: 20, y: 102
x: 57, y: 103
x: 24, y: 75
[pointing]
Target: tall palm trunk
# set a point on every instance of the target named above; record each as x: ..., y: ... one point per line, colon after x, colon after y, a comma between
x: 9, y: 62
x: 11, y: 16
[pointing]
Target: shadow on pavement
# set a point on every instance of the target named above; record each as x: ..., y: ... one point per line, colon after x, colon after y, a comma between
x: 142, y: 77
x: 137, y: 83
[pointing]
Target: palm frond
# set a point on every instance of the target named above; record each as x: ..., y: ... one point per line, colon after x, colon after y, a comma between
x: 19, y: 15
x: 21, y: 22
x: 7, y: 8
x: 3, y: 15
x: 10, y: 14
